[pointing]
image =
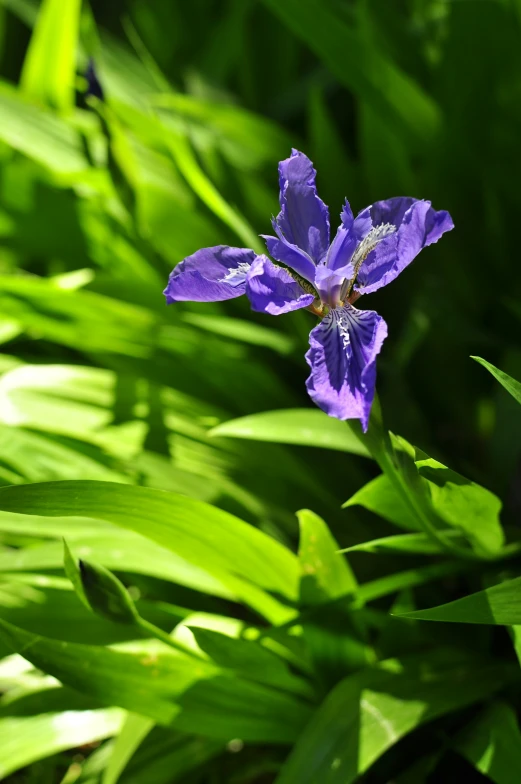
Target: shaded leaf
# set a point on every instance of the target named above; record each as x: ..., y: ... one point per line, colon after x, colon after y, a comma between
x: 492, y: 743
x: 370, y: 711
x: 510, y: 384
x: 499, y: 605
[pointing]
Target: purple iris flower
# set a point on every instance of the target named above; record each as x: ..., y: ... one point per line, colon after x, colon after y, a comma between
x: 325, y: 277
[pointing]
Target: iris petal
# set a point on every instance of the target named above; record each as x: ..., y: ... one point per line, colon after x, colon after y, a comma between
x: 271, y: 289
x: 290, y: 255
x: 304, y: 218
x: 416, y: 224
x: 342, y: 358
x: 210, y: 275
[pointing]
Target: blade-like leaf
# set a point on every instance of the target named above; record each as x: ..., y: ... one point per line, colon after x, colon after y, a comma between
x: 49, y: 67
x: 414, y: 544
x: 26, y: 739
x: 361, y: 67
x: 499, y: 605
x: 326, y: 574
x: 169, y: 687
x: 302, y: 426
x: 370, y: 711
x: 492, y: 743
x: 238, y: 554
x: 510, y: 384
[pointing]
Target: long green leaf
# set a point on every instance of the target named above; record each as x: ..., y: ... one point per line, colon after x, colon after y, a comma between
x: 49, y: 67
x: 302, y: 426
x: 326, y: 575
x: 369, y: 712
x: 499, y: 605
x: 414, y: 544
x: 169, y: 687
x: 492, y: 743
x: 234, y: 552
x: 510, y: 384
x: 26, y: 739
x: 361, y: 67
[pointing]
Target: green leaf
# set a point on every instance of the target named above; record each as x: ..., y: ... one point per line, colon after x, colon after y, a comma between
x: 510, y: 384
x: 499, y: 605
x: 464, y: 505
x: 238, y: 554
x: 167, y: 686
x: 133, y: 732
x: 400, y: 581
x: 26, y: 739
x: 414, y: 544
x: 303, y: 426
x: 48, y: 72
x: 395, y: 97
x: 381, y: 497
x: 47, y: 605
x: 492, y: 743
x: 72, y: 570
x: 116, y: 550
x: 245, y: 331
x: 106, y: 594
x: 201, y: 184
x: 419, y: 492
x: 39, y: 134
x: 368, y: 712
x: 326, y: 574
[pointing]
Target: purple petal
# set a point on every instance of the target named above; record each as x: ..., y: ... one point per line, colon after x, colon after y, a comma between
x: 271, y: 289
x: 416, y: 226
x: 342, y: 358
x: 345, y: 242
x: 210, y: 275
x: 304, y: 218
x: 290, y: 255
x: 329, y: 282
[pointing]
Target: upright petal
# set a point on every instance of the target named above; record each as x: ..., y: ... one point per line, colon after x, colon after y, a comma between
x: 271, y: 289
x: 304, y: 218
x: 345, y: 241
x: 412, y: 225
x: 342, y: 358
x: 210, y: 275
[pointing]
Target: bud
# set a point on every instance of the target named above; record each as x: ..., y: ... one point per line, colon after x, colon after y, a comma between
x: 106, y: 595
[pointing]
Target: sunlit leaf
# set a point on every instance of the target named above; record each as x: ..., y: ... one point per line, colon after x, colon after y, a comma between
x: 49, y: 67
x: 30, y: 738
x: 167, y: 686
x: 326, y: 574
x: 301, y: 426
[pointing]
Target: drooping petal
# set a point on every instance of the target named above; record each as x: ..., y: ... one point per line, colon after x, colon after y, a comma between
x: 271, y: 289
x: 304, y: 218
x: 412, y: 225
x: 342, y: 358
x: 210, y: 275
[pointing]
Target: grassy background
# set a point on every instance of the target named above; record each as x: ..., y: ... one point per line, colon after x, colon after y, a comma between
x: 99, y: 380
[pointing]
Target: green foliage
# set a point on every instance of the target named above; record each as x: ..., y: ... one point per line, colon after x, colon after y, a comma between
x: 194, y: 628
